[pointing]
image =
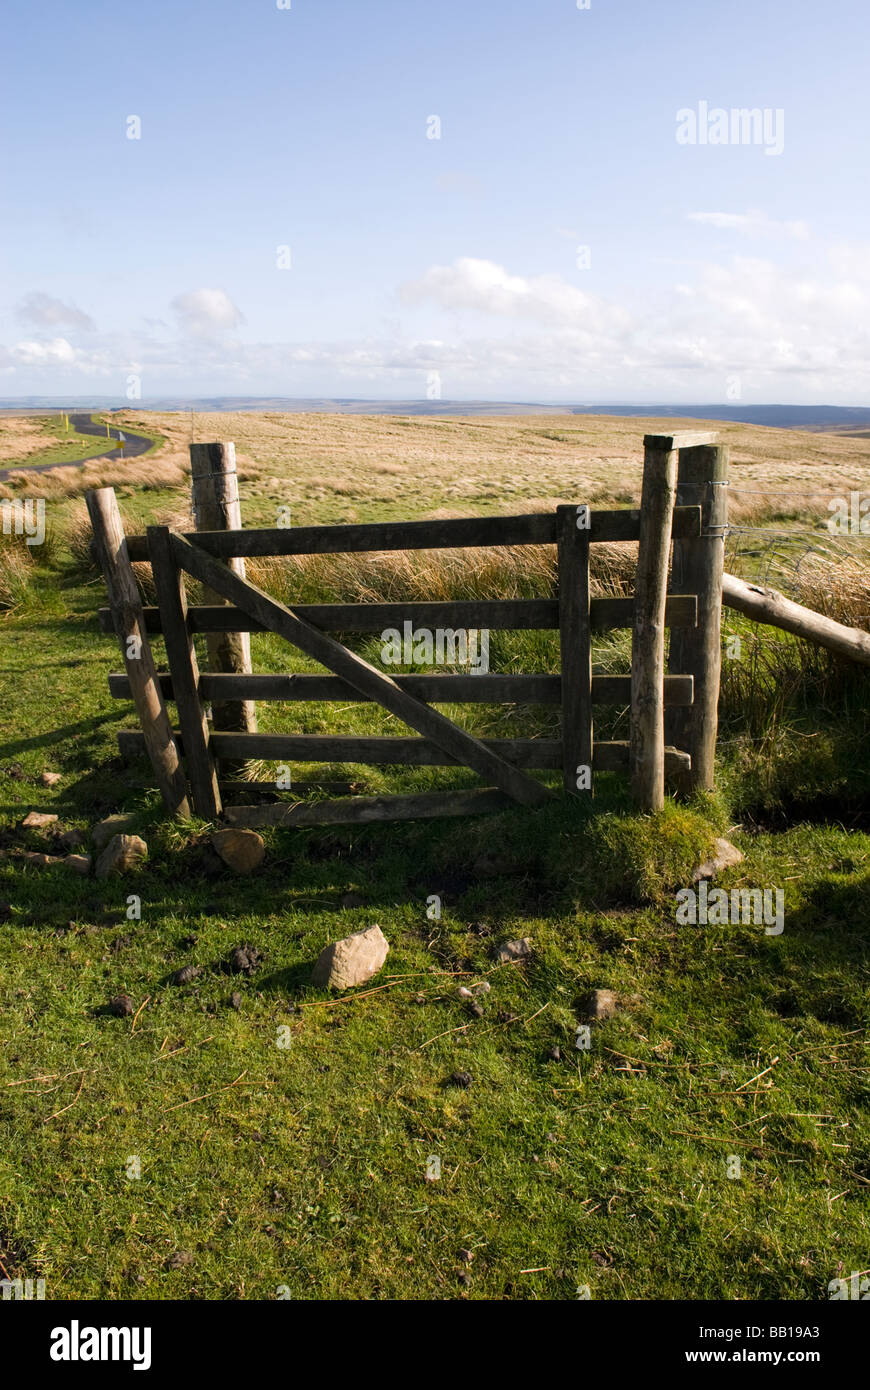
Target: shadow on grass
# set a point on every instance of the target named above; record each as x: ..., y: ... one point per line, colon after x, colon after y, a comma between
x: 59, y: 735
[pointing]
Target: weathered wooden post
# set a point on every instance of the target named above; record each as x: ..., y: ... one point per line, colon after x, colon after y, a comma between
x: 572, y: 532
x: 216, y: 507
x: 129, y: 623
x: 698, y: 562
x: 647, y: 750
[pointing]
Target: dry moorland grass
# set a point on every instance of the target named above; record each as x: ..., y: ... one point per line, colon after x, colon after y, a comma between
x: 342, y: 467
x: 21, y: 436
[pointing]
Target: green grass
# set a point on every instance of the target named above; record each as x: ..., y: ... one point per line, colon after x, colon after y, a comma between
x: 305, y: 1166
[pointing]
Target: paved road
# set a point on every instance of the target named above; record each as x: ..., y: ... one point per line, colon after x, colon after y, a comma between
x: 134, y: 444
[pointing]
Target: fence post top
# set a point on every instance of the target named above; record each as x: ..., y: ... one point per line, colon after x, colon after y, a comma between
x: 680, y: 439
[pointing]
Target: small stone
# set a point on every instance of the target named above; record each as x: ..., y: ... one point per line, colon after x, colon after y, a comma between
x: 72, y: 840
x: 107, y: 829
x: 514, y: 950
x: 466, y: 1256
x: 38, y: 820
x: 41, y: 861
x: 600, y: 1004
x: 185, y: 975
x: 235, y: 1000
x: 462, y: 1079
x: 555, y: 1054
x: 242, y: 851
x: 50, y: 779
x: 725, y: 856
x: 483, y: 988
x: 121, y: 1006
x: 463, y: 993
x: 122, y: 854
x: 475, y: 1009
x: 245, y: 959
x: 464, y: 1276
x: 79, y: 863
x: 180, y: 1259
x: 351, y: 961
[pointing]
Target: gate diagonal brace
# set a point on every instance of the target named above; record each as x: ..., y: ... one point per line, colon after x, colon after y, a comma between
x: 425, y: 720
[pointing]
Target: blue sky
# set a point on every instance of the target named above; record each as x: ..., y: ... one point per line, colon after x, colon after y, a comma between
x: 450, y: 266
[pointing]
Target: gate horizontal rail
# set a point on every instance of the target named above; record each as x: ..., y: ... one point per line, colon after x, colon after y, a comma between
x: 438, y: 690
x: 497, y: 615
x: 540, y: 754
x: 534, y: 528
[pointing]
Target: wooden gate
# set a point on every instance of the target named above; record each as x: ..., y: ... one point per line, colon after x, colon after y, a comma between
x: 504, y: 765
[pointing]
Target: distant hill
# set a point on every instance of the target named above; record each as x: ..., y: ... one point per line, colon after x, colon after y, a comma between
x: 838, y: 418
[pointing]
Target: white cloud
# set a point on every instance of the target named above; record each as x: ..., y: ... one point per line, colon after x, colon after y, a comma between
x: 57, y: 350
x: 488, y: 288
x: 204, y: 312
x: 753, y: 223
x: 44, y: 311
x: 791, y: 333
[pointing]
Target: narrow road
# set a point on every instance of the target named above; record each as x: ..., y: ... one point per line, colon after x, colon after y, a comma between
x: 134, y: 444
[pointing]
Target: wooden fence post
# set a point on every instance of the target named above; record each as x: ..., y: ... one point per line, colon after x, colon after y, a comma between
x: 216, y: 507
x: 169, y: 583
x: 575, y: 643
x: 702, y: 478
x: 126, y: 607
x: 647, y: 756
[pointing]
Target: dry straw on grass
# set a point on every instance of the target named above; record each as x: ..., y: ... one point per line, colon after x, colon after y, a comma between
x: 428, y: 576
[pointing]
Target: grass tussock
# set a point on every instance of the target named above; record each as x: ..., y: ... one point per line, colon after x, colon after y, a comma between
x: 504, y: 572
x: 16, y: 573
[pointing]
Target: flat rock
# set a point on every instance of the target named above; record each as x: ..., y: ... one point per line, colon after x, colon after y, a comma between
x: 106, y: 830
x: 351, y: 961
x: 242, y: 851
x: 600, y: 1004
x: 38, y: 820
x: 79, y: 863
x: 122, y: 853
x: 41, y: 861
x: 514, y: 950
x: 725, y: 856
x: 50, y: 779
x: 121, y: 1006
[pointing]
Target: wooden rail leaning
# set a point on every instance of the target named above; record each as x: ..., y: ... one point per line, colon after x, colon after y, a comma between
x: 771, y: 607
